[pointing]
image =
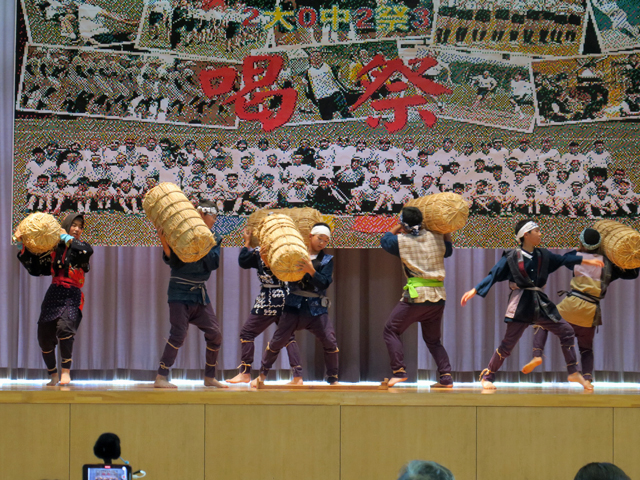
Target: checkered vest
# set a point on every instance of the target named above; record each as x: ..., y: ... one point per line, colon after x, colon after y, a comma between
x: 423, y: 256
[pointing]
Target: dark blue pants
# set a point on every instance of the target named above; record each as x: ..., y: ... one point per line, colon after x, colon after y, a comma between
x: 320, y: 326
x: 181, y: 316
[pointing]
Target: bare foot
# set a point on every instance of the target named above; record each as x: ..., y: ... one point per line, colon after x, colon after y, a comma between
x: 54, y: 380
x: 162, y: 382
x: 578, y: 378
x: 240, y: 378
x: 261, y: 378
x: 212, y: 382
x: 65, y: 377
x: 531, y: 366
x: 487, y: 385
x: 296, y: 381
x: 395, y: 380
x: 439, y: 385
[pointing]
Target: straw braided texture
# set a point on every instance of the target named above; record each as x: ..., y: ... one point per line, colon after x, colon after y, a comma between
x: 40, y: 232
x: 442, y: 212
x: 187, y: 234
x: 283, y: 246
x: 303, y: 218
x: 621, y: 244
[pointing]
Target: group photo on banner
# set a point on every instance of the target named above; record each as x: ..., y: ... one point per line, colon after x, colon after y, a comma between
x: 284, y: 128
x: 363, y: 171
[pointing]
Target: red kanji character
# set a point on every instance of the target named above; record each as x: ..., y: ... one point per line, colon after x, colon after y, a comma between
x: 258, y: 72
x: 382, y: 70
x: 209, y: 4
x: 227, y: 76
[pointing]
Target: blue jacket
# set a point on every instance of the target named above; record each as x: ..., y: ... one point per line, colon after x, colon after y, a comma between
x: 187, y: 283
x: 318, y: 284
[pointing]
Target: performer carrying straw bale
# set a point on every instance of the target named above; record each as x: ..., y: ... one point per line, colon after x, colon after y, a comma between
x: 306, y: 307
x: 189, y: 303
x: 422, y: 253
x: 527, y: 269
x: 61, y: 310
x: 266, y: 310
x: 170, y: 210
x: 581, y: 306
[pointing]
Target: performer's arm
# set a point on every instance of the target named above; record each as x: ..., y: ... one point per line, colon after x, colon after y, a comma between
x: 448, y: 245
x: 389, y: 241
x: 499, y: 273
x: 165, y: 246
x: 570, y: 260
x: 79, y: 252
x: 320, y: 278
x: 36, y: 265
x: 212, y: 259
x: 618, y: 273
x: 248, y: 257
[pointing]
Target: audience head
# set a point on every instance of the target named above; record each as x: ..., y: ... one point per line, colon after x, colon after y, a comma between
x: 107, y: 447
x: 601, y: 471
x: 424, y: 470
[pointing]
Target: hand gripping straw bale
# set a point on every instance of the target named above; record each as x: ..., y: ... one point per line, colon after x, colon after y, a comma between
x: 621, y: 244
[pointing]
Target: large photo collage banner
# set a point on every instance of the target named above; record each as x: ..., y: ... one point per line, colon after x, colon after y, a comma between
x: 352, y: 108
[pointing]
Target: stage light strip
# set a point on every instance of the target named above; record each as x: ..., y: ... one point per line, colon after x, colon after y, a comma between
x: 420, y: 384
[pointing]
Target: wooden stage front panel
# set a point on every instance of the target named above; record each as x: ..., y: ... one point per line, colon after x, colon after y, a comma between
x: 197, y: 433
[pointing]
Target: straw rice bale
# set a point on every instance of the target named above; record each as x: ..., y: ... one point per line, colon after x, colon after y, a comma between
x: 40, y: 232
x: 442, y: 212
x: 621, y: 244
x: 187, y: 234
x: 303, y: 218
x: 283, y: 246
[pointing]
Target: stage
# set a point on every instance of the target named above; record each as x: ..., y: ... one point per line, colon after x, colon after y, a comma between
x: 520, y: 431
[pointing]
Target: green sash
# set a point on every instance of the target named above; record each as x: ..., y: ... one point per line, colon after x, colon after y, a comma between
x: 413, y: 282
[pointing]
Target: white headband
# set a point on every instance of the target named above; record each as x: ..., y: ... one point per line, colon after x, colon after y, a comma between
x: 526, y: 228
x: 321, y: 230
x: 208, y: 210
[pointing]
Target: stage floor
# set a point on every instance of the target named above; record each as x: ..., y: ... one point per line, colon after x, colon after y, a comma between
x: 319, y: 393
x: 519, y: 431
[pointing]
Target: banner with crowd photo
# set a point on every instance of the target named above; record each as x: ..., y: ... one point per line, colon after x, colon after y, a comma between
x: 352, y: 108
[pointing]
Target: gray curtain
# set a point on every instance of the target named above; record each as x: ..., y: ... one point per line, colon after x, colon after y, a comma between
x: 126, y: 316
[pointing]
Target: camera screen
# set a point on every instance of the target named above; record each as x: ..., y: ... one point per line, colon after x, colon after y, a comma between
x: 106, y: 472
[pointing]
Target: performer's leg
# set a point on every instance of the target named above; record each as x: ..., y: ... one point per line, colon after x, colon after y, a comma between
x: 511, y: 337
x: 205, y: 319
x: 539, y: 340
x: 286, y: 326
x: 585, y: 345
x: 432, y: 335
x: 323, y: 330
x: 179, y: 319
x: 564, y: 332
x: 47, y: 340
x: 254, y: 326
x: 66, y: 329
x: 402, y: 316
x: 293, y: 352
